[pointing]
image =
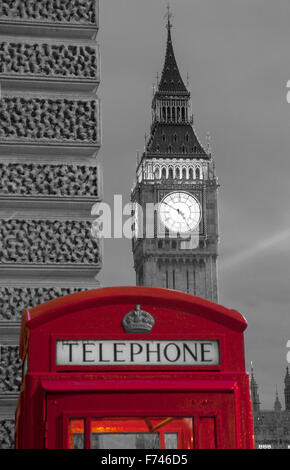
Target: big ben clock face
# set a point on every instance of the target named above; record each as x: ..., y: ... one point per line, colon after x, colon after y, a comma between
x: 180, y: 212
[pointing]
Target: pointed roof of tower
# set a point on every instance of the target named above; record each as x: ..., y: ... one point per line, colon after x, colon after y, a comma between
x: 171, y: 81
x: 277, y: 404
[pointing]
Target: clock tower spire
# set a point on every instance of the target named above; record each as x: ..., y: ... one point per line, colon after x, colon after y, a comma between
x: 175, y: 195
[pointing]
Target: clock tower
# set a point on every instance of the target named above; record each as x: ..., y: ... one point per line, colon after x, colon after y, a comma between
x: 174, y: 198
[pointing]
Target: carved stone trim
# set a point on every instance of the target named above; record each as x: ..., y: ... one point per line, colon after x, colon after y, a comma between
x: 49, y: 120
x: 47, y: 242
x: 50, y: 11
x: 24, y: 58
x: 10, y: 369
x: 9, y: 331
x: 7, y: 433
x: 46, y: 180
x: 14, y: 300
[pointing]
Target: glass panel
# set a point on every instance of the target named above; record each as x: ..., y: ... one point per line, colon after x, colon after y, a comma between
x: 76, y: 437
x: 142, y: 433
x: 171, y: 440
x: 125, y: 441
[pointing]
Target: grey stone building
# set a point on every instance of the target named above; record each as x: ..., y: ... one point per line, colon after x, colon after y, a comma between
x: 176, y: 175
x: 271, y: 427
x: 50, y: 134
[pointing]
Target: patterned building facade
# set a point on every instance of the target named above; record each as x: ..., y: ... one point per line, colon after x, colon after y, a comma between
x: 271, y: 427
x: 175, y: 245
x: 50, y: 134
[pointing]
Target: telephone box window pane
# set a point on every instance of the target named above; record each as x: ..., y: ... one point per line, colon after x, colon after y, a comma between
x: 125, y: 441
x: 171, y: 440
x: 76, y: 434
x: 141, y: 433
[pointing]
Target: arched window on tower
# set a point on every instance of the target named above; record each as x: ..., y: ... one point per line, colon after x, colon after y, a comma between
x: 183, y: 113
x: 190, y: 173
x: 168, y: 113
x: 164, y: 113
x: 170, y: 173
x: 173, y: 114
x: 184, y: 173
x: 157, y: 173
x: 197, y: 173
x: 178, y: 114
x: 177, y: 173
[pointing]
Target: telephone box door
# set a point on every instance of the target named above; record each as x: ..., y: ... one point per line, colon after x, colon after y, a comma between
x: 151, y: 420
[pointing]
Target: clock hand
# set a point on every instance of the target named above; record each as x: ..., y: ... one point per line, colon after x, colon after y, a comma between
x: 174, y: 208
x: 179, y: 212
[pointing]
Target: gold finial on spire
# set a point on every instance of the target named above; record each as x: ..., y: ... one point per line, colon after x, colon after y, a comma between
x: 169, y: 17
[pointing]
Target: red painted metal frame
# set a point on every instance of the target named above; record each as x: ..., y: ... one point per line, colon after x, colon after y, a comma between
x: 64, y: 317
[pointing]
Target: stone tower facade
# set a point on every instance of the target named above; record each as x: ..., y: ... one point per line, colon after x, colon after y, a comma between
x: 254, y: 393
x: 175, y: 244
x: 50, y: 134
x: 287, y: 390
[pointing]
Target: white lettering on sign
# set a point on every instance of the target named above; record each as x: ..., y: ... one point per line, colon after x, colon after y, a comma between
x: 141, y: 353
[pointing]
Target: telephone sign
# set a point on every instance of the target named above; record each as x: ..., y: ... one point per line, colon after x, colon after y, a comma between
x: 133, y: 368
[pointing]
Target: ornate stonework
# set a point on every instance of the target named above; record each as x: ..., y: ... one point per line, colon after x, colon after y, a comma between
x: 10, y: 369
x: 61, y: 120
x: 54, y: 11
x: 50, y: 135
x: 14, y: 300
x: 48, y: 60
x: 43, y: 241
x: 49, y: 180
x: 6, y: 434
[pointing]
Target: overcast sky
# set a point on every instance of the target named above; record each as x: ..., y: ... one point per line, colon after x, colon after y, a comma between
x: 237, y: 54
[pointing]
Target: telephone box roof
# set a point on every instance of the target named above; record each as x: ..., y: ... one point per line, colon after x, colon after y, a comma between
x: 171, y: 299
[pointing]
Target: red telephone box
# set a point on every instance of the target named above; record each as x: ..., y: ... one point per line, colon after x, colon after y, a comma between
x: 133, y: 367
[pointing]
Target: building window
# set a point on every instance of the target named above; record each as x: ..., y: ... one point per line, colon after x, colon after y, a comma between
x: 170, y: 173
x: 183, y: 113
x: 169, y: 149
x: 164, y: 137
x: 160, y: 244
x: 190, y: 173
x: 197, y: 173
x: 174, y: 245
x: 177, y: 173
x: 184, y: 173
x: 163, y: 173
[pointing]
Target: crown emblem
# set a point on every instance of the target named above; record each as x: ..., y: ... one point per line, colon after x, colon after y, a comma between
x: 138, y: 321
